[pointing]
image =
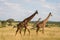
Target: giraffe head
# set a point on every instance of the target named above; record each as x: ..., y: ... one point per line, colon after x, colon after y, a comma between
x: 36, y: 12
x: 50, y: 14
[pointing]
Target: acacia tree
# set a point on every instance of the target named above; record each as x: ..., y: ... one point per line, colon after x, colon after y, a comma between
x: 10, y: 21
x: 3, y: 23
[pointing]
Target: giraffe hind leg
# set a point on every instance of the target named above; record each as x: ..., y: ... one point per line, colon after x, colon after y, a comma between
x: 24, y: 30
x: 28, y: 31
x: 16, y: 31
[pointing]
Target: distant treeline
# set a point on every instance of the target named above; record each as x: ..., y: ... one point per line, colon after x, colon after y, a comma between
x: 12, y: 22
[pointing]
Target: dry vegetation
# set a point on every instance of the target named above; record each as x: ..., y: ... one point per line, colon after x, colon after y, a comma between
x: 8, y: 33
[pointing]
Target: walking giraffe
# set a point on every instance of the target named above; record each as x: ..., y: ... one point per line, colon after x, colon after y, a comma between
x: 42, y: 24
x: 24, y: 23
x: 34, y: 25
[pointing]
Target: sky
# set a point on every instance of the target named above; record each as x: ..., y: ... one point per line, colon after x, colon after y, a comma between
x: 21, y: 9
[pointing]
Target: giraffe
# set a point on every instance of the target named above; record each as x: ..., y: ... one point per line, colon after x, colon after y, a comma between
x: 36, y: 23
x: 24, y: 23
x: 42, y: 24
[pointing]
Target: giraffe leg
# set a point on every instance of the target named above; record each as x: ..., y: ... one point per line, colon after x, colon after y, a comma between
x: 20, y: 31
x: 14, y: 26
x: 43, y: 29
x: 37, y: 30
x: 24, y: 30
x: 17, y: 31
x: 28, y: 31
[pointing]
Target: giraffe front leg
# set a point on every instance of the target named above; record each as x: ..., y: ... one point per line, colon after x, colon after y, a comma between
x: 37, y: 30
x: 20, y: 31
x: 43, y: 29
x: 27, y: 29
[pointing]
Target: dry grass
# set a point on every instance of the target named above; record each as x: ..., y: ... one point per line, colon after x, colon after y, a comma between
x: 50, y: 34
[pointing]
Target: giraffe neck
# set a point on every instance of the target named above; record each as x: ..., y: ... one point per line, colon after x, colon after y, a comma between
x: 37, y: 21
x: 29, y: 18
x: 47, y: 18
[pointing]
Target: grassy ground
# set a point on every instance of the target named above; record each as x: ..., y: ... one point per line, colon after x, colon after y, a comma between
x: 8, y: 33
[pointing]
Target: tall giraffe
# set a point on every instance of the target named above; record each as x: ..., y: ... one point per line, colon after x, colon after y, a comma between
x: 42, y: 24
x: 24, y: 23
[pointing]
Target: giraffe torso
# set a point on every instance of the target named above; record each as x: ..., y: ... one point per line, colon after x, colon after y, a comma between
x: 40, y: 24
